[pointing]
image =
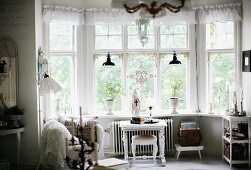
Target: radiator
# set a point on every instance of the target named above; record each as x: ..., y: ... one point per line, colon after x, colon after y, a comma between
x: 118, y: 148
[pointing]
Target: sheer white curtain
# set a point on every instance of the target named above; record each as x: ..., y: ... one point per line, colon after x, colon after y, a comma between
x: 220, y: 13
x: 60, y: 13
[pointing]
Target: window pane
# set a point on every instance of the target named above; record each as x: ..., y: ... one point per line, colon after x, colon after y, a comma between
x: 173, y: 36
x: 105, y: 76
x: 108, y: 42
x: 101, y: 29
x: 180, y: 41
x: 108, y: 37
x: 61, y: 36
x: 134, y: 42
x: 180, y: 29
x: 140, y: 74
x: 173, y: 75
x: 166, y: 41
x: 220, y: 77
x: 61, y: 69
x: 218, y: 32
x: 166, y: 29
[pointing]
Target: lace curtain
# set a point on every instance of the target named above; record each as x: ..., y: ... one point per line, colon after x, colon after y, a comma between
x: 66, y: 14
x: 226, y: 12
x: 203, y: 14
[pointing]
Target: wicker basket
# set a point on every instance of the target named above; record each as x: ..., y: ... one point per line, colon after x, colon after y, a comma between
x: 237, y: 151
x: 189, y: 137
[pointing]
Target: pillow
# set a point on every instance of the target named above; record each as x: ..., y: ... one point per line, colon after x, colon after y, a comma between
x: 88, y: 124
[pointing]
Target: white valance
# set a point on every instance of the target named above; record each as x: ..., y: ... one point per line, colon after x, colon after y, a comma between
x: 204, y: 14
x: 66, y: 14
x: 109, y: 16
x: 182, y: 17
x: 220, y: 13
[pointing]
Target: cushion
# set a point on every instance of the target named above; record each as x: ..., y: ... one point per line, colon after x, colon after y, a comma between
x: 88, y: 125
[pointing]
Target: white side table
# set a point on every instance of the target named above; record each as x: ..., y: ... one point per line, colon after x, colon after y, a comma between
x: 17, y: 131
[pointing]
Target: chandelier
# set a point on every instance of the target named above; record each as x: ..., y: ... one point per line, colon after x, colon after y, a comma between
x: 153, y: 8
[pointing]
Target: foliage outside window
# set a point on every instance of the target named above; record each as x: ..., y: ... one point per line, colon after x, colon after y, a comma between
x: 61, y: 70
x: 219, y: 32
x: 221, y: 78
x: 173, y: 76
x: 220, y: 55
x: 105, y: 78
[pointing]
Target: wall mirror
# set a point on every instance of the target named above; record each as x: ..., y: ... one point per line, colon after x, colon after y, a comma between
x: 8, y: 72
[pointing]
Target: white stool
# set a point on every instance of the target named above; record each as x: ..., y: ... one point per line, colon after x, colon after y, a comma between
x: 188, y: 148
x: 144, y: 140
x: 112, y: 163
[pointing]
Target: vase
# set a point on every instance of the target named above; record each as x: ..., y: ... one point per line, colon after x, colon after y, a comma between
x: 110, y: 103
x: 173, y: 102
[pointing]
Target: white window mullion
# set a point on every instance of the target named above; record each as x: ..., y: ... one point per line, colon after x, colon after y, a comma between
x: 157, y: 96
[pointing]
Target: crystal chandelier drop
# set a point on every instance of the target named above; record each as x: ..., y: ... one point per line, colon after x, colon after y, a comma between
x: 142, y: 24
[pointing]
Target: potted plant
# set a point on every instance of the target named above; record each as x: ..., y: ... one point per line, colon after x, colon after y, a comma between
x: 3, y: 68
x: 13, y: 115
x: 112, y: 90
x: 175, y: 85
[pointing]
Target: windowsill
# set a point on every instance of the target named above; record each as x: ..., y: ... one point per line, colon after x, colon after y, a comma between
x: 181, y: 114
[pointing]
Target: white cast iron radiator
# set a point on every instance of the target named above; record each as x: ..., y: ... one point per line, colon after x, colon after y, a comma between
x: 118, y: 148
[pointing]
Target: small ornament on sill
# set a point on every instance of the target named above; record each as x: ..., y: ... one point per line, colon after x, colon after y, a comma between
x: 211, y: 108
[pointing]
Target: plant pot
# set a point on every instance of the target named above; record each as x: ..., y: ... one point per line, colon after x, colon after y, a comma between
x: 110, y: 103
x: 173, y: 102
x: 13, y: 120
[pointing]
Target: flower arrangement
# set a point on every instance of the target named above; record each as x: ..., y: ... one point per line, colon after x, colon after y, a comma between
x: 175, y: 85
x: 112, y: 90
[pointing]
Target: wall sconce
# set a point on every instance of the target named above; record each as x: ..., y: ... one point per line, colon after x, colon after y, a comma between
x: 108, y: 62
x: 42, y: 64
x: 175, y: 60
x: 47, y: 84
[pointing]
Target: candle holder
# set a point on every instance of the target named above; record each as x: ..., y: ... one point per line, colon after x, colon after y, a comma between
x: 81, y: 161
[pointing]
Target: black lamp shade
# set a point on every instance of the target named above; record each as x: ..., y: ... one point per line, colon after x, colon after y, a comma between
x: 108, y: 61
x: 175, y: 60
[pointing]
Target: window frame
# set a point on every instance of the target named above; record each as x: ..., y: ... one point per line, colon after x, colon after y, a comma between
x: 157, y: 81
x: 210, y: 52
x: 71, y: 53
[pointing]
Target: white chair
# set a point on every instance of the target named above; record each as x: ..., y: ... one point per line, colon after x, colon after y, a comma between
x: 144, y: 140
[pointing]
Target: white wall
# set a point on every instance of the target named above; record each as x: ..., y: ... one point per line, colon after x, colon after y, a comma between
x: 246, y: 45
x: 20, y: 26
